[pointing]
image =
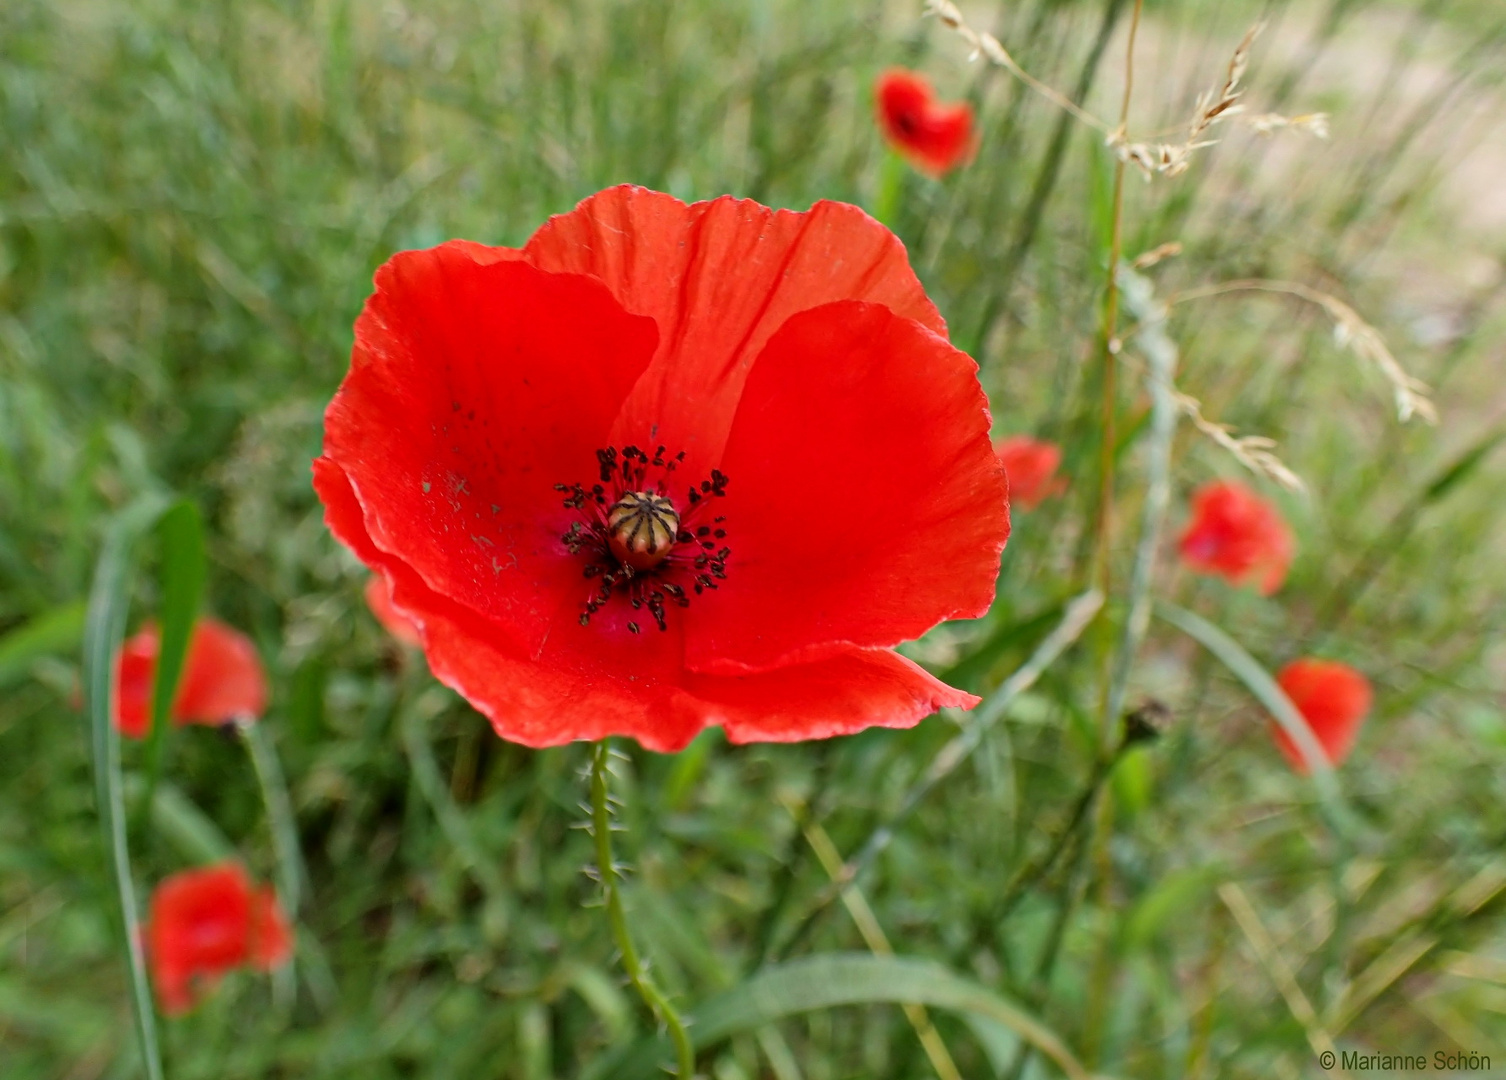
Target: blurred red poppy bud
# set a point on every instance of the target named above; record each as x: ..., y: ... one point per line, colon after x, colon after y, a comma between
x: 222, y: 679
x: 933, y: 137
x: 1237, y: 535
x: 1333, y: 698
x: 1030, y: 467
x: 205, y: 923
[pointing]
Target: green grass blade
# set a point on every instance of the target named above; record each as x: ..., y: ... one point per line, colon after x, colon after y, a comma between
x: 833, y: 980
x: 57, y: 630
x: 280, y: 819
x: 180, y: 538
x: 104, y: 628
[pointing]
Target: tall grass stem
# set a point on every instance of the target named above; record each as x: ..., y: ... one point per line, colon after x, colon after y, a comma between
x: 104, y: 630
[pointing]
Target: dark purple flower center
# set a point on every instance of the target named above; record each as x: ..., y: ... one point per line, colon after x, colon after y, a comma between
x: 638, y: 542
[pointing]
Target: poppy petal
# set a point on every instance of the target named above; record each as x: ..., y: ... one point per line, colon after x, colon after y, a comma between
x: 582, y: 691
x: 865, y: 503
x: 719, y: 278
x: 135, y: 670
x: 473, y: 390
x: 222, y: 677
x: 379, y: 600
x: 271, y: 939
x: 839, y: 695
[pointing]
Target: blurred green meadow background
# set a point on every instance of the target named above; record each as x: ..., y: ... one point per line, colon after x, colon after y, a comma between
x: 193, y: 198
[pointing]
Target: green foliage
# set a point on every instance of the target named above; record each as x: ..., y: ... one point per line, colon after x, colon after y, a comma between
x: 193, y: 198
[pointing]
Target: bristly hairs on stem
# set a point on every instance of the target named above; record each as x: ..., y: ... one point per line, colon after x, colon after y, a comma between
x: 606, y: 872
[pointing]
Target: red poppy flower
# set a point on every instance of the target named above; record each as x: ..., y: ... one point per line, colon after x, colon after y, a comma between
x: 1029, y: 464
x: 1238, y: 535
x: 379, y: 599
x: 222, y: 679
x: 204, y: 923
x: 669, y: 466
x: 933, y: 137
x: 1333, y: 698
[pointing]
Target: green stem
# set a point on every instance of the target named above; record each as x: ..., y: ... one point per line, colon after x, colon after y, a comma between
x: 653, y: 997
x: 285, y: 847
x: 284, y: 828
x: 891, y: 184
x: 104, y: 629
x: 1159, y: 349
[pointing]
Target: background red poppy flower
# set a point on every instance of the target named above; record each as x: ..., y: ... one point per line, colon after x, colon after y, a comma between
x: 222, y: 678
x: 1238, y: 535
x: 1333, y: 698
x: 1030, y: 466
x: 787, y: 366
x: 933, y: 137
x: 206, y: 922
x: 379, y: 599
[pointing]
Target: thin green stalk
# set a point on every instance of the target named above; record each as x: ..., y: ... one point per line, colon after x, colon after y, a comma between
x: 284, y: 828
x: 180, y: 537
x: 285, y: 847
x: 1161, y: 352
x: 104, y: 629
x: 607, y: 871
x: 1102, y: 563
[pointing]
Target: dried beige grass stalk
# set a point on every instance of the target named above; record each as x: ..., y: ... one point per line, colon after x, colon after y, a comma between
x: 1150, y: 258
x: 1315, y: 124
x: 982, y: 43
x: 1168, y: 159
x: 1350, y: 331
x: 1213, y: 107
x: 1251, y: 451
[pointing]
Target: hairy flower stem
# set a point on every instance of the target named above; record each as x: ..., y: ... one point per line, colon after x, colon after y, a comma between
x: 637, y: 973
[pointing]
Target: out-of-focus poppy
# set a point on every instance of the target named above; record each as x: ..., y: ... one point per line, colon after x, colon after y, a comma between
x: 222, y: 679
x: 379, y: 599
x: 933, y: 137
x: 204, y: 923
x: 641, y: 475
x: 1030, y: 466
x: 1333, y: 698
x: 1238, y: 535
